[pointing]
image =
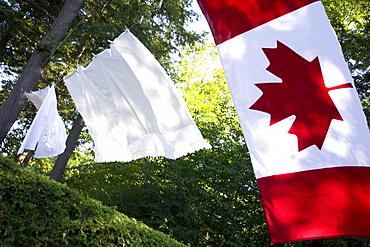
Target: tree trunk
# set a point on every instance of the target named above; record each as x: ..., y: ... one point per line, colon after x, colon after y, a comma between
x: 61, y: 162
x: 31, y: 74
x: 24, y: 158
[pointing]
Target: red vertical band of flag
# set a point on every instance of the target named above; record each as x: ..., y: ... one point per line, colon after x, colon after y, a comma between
x: 228, y: 19
x: 317, y: 203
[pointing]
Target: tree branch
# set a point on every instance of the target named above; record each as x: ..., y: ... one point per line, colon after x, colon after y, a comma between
x: 40, y: 8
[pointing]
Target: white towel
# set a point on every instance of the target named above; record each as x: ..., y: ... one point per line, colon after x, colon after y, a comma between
x: 47, y: 130
x: 131, y: 106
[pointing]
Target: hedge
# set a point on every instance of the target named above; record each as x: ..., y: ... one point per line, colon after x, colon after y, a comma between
x: 35, y: 211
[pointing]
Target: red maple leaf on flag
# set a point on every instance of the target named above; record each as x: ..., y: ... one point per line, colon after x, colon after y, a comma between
x: 301, y: 93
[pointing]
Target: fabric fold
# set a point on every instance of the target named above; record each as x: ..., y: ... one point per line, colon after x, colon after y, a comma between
x: 47, y: 134
x: 131, y: 106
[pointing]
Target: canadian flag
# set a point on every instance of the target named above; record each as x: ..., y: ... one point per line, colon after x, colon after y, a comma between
x: 300, y: 113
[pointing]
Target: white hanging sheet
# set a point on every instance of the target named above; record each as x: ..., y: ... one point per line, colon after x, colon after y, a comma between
x: 47, y: 133
x: 131, y: 107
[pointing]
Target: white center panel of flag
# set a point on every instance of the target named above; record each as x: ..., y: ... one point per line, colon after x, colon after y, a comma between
x: 245, y: 66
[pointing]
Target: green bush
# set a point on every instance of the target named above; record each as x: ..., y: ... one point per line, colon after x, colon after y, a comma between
x: 35, y: 211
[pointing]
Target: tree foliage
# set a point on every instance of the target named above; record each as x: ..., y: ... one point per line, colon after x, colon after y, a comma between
x: 35, y: 211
